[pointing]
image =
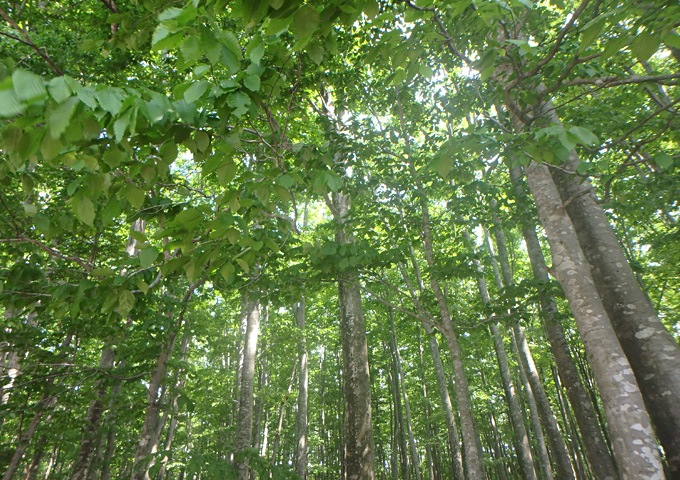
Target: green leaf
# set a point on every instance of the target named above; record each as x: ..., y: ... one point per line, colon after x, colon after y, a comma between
x: 585, y: 136
x: 672, y: 40
x: 590, y: 34
x: 191, y: 50
x: 306, y: 21
x: 84, y: 209
x: 644, y: 45
x: 243, y: 264
x: 28, y: 85
x: 59, y: 117
x: 195, y: 91
x: 202, y: 140
x: 126, y: 301
x: 59, y: 89
x: 252, y: 83
x: 169, y: 14
x: 134, y: 195
x: 227, y: 271
x: 110, y: 100
x: 664, y: 160
x: 371, y: 9
x: 256, y: 53
x: 147, y: 256
x: 232, y: 43
x: 9, y: 104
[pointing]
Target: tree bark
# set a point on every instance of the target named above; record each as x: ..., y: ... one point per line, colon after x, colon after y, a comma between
x: 301, y: 425
x: 359, y: 450
x: 244, y: 416
x: 634, y: 443
x: 597, y: 452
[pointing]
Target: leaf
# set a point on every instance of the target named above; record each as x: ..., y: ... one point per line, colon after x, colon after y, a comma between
x: 169, y: 14
x: 306, y: 21
x: 585, y: 136
x: 28, y: 85
x: 664, y: 160
x: 252, y: 83
x: 644, y: 45
x: 59, y: 89
x: 9, y: 104
x: 195, y: 91
x: 590, y: 34
x: 202, y: 140
x: 84, y: 209
x: 126, y: 301
x: 232, y: 43
x: 672, y: 40
x: 110, y: 100
x: 191, y: 50
x: 371, y: 9
x: 59, y: 117
x: 30, y: 209
x: 243, y: 264
x: 142, y: 285
x: 134, y: 195
x: 147, y: 256
x: 227, y: 271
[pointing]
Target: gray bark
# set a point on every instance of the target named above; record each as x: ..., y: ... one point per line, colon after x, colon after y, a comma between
x: 634, y: 443
x: 244, y: 416
x: 359, y: 455
x: 597, y: 452
x: 301, y: 424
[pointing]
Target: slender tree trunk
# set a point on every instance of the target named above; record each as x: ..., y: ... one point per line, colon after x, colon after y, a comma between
x: 634, y: 443
x: 45, y: 404
x: 597, y: 452
x: 522, y: 444
x: 282, y: 410
x: 415, y: 460
x: 301, y: 414
x: 244, y: 417
x: 359, y: 451
x: 92, y: 420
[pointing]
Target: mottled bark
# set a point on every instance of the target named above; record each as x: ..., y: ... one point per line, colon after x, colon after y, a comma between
x: 633, y: 440
x: 359, y: 451
x: 597, y: 452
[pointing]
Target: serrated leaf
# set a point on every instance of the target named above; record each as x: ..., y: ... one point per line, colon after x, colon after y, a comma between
x: 28, y: 85
x: 147, y: 256
x: 142, y: 285
x: 191, y: 50
x: 59, y: 117
x: 589, y: 35
x: 238, y: 99
x: 202, y: 140
x: 9, y: 104
x: 232, y: 43
x: 644, y: 45
x: 126, y: 301
x: 169, y: 14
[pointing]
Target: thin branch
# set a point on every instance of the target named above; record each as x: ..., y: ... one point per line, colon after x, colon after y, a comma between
x: 613, y: 80
x: 51, y: 251
x: 645, y: 120
x: 39, y: 50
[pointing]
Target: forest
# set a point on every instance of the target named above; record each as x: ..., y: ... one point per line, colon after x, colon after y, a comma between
x: 339, y: 239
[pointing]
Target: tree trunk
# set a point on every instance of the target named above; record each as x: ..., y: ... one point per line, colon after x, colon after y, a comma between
x: 359, y: 451
x: 92, y: 420
x: 634, y: 443
x: 244, y: 416
x: 522, y: 444
x: 301, y: 425
x: 597, y: 452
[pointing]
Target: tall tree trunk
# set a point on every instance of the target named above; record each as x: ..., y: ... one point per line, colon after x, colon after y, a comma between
x: 597, y: 452
x: 359, y: 451
x: 92, y: 420
x: 442, y: 383
x: 634, y: 442
x: 45, y: 404
x: 301, y: 425
x: 415, y: 460
x: 282, y: 409
x: 522, y: 444
x: 244, y: 416
x: 651, y: 350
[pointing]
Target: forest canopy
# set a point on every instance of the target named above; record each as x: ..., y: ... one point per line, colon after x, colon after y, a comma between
x: 357, y: 239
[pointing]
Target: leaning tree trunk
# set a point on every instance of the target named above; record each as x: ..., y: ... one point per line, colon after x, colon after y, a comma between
x: 359, y: 451
x: 597, y: 452
x: 244, y: 416
x: 634, y: 443
x: 651, y: 350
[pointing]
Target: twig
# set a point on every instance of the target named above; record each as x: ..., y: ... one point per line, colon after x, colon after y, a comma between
x: 28, y: 42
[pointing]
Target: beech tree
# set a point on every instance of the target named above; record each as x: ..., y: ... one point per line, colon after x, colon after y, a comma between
x: 228, y: 228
